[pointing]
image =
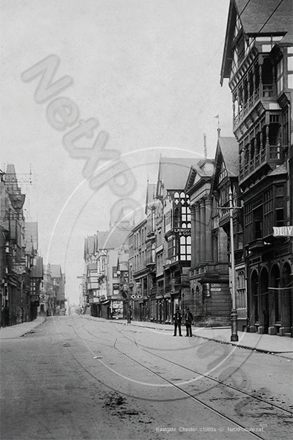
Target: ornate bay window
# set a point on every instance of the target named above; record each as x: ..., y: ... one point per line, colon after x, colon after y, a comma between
x: 181, y: 213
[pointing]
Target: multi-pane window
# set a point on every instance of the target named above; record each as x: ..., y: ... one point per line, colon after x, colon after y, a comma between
x: 238, y: 235
x: 181, y: 213
x: 186, y: 217
x: 240, y: 290
x: 248, y: 222
x: 268, y: 208
x: 264, y: 212
x: 185, y: 248
x: 279, y: 205
x: 258, y: 222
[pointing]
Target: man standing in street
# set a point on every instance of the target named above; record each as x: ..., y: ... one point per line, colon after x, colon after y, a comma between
x: 177, y: 321
x: 188, y: 322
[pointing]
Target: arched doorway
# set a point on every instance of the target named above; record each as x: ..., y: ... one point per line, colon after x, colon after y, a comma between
x: 286, y: 300
x: 264, y: 301
x: 275, y: 294
x: 254, y: 316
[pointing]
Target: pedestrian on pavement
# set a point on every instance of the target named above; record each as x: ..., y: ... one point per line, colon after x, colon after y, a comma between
x: 188, y: 322
x: 177, y: 321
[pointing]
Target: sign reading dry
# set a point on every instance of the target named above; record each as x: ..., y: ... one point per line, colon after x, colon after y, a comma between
x: 284, y: 231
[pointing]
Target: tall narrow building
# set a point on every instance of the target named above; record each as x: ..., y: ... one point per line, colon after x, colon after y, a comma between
x: 258, y: 63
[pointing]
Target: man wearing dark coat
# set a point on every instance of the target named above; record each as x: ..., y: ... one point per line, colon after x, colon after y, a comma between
x: 177, y: 321
x: 188, y: 321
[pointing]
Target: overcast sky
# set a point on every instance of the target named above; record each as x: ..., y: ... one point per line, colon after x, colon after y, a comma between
x: 147, y: 70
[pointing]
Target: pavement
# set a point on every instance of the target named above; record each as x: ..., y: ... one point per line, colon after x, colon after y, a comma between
x: 279, y: 345
x: 18, y: 330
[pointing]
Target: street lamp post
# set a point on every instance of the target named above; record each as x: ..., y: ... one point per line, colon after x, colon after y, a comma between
x: 234, y: 336
x: 128, y: 307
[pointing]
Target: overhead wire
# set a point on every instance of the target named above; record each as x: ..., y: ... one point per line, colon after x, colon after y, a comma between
x: 210, y: 61
x: 199, y: 79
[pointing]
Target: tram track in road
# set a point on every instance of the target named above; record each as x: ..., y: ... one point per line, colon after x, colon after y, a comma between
x: 186, y: 393
x: 191, y: 370
x: 206, y: 376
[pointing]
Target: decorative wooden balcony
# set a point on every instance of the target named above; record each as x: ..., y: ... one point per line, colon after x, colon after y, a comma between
x: 266, y: 92
x: 270, y: 155
x: 246, y: 108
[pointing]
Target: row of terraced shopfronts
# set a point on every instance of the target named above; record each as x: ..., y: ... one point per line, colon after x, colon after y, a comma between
x: 180, y: 254
x: 188, y: 264
x: 21, y: 269
x: 258, y: 63
x: 251, y: 176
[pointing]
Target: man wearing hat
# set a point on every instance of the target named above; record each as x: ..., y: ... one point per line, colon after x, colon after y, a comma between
x: 188, y: 322
x: 177, y: 321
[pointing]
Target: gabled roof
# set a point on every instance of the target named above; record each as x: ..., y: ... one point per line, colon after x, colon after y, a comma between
x: 265, y: 16
x: 230, y: 153
x: 227, y: 155
x: 203, y: 170
x: 112, y: 239
x: 173, y: 172
x: 258, y: 17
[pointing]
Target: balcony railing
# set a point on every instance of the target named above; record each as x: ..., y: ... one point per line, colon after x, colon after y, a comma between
x: 270, y: 154
x: 267, y: 91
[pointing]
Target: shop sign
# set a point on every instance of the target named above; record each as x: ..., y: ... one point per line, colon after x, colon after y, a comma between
x: 117, y: 304
x: 284, y: 231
